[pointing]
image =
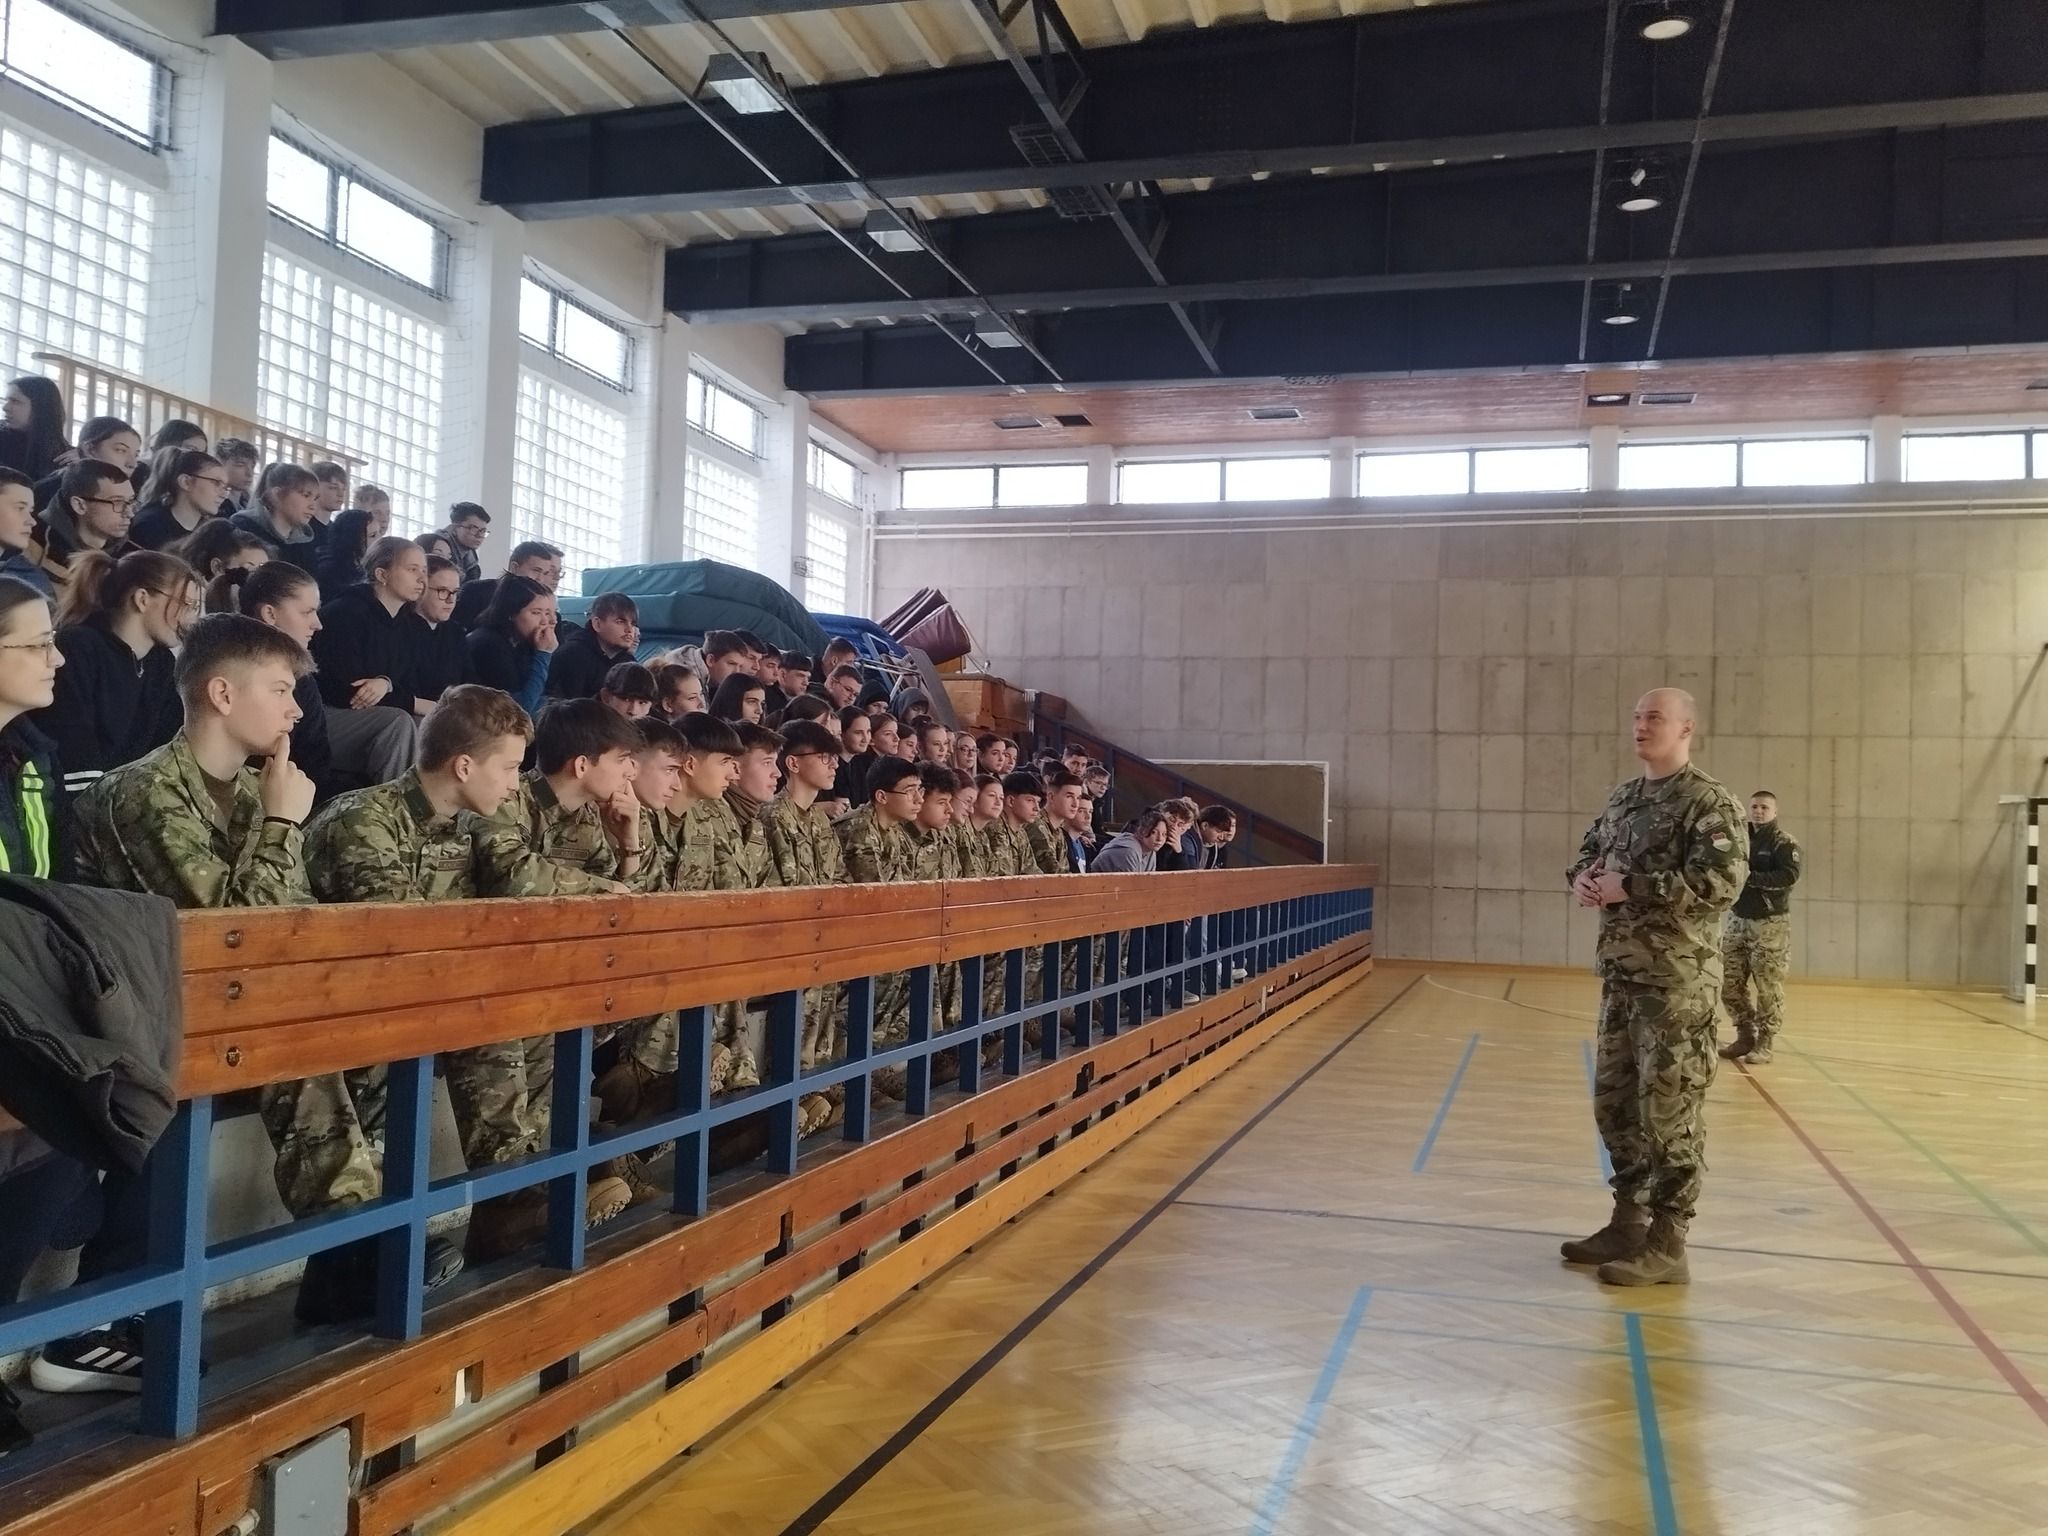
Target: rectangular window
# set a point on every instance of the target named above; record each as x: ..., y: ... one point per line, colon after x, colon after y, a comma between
x: 827, y: 541
x: 1514, y: 470
x: 945, y: 489
x: 340, y: 367
x: 562, y: 328
x: 1806, y: 461
x: 348, y: 213
x: 1678, y: 466
x: 75, y: 64
x: 75, y: 247
x: 2041, y: 455
x: 1195, y: 480
x: 1416, y: 474
x: 1966, y: 456
x: 721, y: 512
x: 711, y: 407
x: 838, y: 478
x: 1302, y: 479
x: 1041, y: 485
x: 569, y: 477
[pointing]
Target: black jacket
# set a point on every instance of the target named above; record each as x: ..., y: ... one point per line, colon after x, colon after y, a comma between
x: 335, y: 571
x: 1774, y: 861
x: 16, y: 454
x: 155, y: 528
x: 32, y: 831
x: 580, y: 664
x: 439, y: 656
x: 90, y: 1020
x: 359, y: 637
x: 304, y: 553
x: 311, y: 752
x: 112, y: 706
x: 471, y: 601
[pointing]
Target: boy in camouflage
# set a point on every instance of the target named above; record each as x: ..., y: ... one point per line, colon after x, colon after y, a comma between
x: 877, y: 850
x: 805, y: 851
x: 935, y: 855
x: 1666, y: 858
x: 191, y: 822
x: 571, y: 829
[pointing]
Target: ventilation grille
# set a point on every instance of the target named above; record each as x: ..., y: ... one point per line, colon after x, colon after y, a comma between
x: 1667, y: 397
x: 1074, y: 420
x: 1018, y: 423
x: 1274, y: 413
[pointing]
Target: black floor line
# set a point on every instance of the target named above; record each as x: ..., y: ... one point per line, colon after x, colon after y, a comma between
x: 1480, y: 1226
x: 829, y: 1503
x: 1985, y: 1018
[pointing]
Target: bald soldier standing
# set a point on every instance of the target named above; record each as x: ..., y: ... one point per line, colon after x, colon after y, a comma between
x: 1666, y: 858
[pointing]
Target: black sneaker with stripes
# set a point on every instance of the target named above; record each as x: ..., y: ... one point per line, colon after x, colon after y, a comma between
x: 105, y: 1360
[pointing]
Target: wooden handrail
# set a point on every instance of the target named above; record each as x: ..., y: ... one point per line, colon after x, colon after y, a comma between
x: 91, y: 389
x: 280, y: 993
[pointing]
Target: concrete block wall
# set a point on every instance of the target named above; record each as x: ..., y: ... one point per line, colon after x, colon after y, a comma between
x: 1470, y: 689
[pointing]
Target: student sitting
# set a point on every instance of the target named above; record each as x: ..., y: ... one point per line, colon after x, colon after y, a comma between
x: 376, y: 501
x: 91, y: 511
x: 724, y: 654
x: 117, y: 627
x: 572, y: 829
x: 438, y: 652
x: 32, y: 835
x: 103, y: 440
x: 339, y: 565
x: 875, y: 843
x: 217, y: 546
x: 1180, y: 820
x: 33, y: 441
x: 743, y: 862
x: 173, y: 437
x: 966, y: 760
x: 537, y: 562
x: 682, y: 691
x: 239, y: 460
x: 18, y: 530
x: 628, y: 691
x: 183, y: 492
x: 806, y: 706
x: 365, y: 652
x: 856, y: 757
x: 657, y: 785
x: 842, y: 686
x: 513, y: 644
x: 330, y: 498
x: 283, y: 596
x: 468, y: 526
x: 1133, y: 852
x: 408, y: 840
x: 742, y: 696
x: 1060, y: 822
x: 280, y: 514
x: 935, y: 855
x: 583, y: 658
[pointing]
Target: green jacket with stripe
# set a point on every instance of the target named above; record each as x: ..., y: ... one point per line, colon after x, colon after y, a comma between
x: 32, y: 840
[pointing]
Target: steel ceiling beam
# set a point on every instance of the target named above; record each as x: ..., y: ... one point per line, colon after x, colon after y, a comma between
x: 1511, y: 78
x: 310, y: 29
x: 1992, y: 303
x: 1843, y: 202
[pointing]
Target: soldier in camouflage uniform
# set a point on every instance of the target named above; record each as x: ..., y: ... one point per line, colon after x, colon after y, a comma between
x: 192, y: 823
x: 935, y: 855
x: 740, y: 861
x: 571, y: 829
x: 1663, y: 862
x: 1756, y: 946
x: 805, y: 851
x: 877, y: 850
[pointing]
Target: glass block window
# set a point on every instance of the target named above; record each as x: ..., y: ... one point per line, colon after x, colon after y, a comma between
x: 341, y: 367
x: 67, y: 59
x: 828, y: 542
x: 75, y: 246
x: 721, y: 512
x: 569, y: 477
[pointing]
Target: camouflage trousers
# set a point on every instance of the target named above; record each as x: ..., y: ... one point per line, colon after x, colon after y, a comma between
x: 1653, y: 1062
x: 501, y: 1094
x: 1754, y: 954
x: 655, y: 1044
x: 328, y: 1133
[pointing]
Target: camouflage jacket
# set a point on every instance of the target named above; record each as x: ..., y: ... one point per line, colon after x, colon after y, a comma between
x: 801, y: 844
x: 533, y: 847
x: 743, y: 846
x: 972, y: 844
x: 1048, y: 853
x: 1681, y: 846
x: 387, y: 843
x: 873, y: 852
x: 153, y: 826
x: 1009, y: 849
x: 717, y: 854
x: 934, y: 855
x: 661, y: 851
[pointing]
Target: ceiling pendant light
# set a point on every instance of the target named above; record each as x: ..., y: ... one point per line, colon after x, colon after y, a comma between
x: 1640, y: 189
x: 1621, y: 307
x: 1664, y: 21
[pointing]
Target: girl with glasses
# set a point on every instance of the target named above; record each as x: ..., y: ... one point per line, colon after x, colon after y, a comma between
x: 184, y: 490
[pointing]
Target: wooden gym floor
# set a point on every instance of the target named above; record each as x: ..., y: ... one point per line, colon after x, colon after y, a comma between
x: 1324, y: 1296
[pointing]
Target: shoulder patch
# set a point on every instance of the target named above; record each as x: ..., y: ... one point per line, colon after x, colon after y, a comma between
x: 1711, y: 821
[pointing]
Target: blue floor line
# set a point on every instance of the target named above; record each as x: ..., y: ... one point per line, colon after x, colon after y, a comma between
x: 1606, y: 1163
x: 1663, y: 1511
x: 1443, y: 1110
x: 1282, y: 1486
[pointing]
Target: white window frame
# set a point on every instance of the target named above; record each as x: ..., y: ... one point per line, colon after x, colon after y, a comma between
x: 703, y: 384
x: 330, y: 235
x: 1741, y: 443
x: 2033, y: 436
x: 559, y: 300
x: 156, y: 138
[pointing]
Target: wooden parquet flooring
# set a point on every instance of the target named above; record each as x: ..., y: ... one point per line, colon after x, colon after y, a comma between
x: 1355, y: 1319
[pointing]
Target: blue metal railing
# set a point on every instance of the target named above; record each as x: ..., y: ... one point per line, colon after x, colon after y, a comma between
x: 1124, y: 977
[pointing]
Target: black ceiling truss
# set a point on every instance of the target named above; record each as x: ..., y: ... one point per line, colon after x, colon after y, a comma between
x: 1514, y: 78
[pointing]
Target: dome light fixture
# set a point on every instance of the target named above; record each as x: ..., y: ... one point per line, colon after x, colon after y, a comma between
x: 1621, y: 307
x: 1664, y: 21
x: 1641, y: 189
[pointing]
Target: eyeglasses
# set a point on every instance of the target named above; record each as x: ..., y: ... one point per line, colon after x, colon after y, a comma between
x: 176, y: 601
x: 47, y: 645
x: 125, y: 503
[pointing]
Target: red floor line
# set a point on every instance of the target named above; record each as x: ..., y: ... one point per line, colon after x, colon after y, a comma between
x: 2028, y: 1392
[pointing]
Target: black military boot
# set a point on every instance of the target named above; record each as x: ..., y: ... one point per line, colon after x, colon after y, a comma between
x: 1621, y: 1238
x: 1661, y: 1262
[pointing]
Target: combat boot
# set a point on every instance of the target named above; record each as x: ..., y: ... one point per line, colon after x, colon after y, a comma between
x: 1757, y: 1056
x: 1661, y: 1261
x: 1739, y: 1047
x: 1621, y: 1238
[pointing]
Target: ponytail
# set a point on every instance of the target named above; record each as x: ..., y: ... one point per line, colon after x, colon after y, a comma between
x: 99, y: 586
x: 263, y: 586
